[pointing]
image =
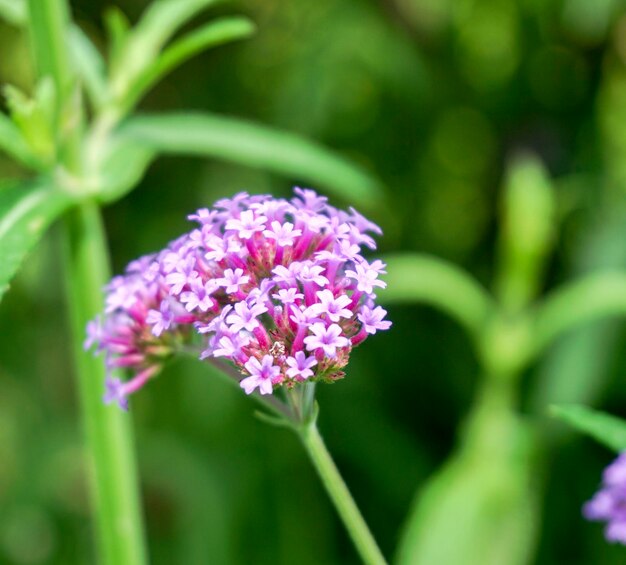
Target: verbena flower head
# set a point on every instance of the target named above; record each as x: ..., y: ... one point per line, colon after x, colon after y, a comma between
x: 609, y: 503
x: 278, y: 287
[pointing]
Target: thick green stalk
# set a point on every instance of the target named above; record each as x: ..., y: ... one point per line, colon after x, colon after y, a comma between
x: 108, y: 430
x: 340, y: 495
x: 109, y: 439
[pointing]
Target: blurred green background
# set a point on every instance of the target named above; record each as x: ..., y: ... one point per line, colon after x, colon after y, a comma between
x: 433, y: 97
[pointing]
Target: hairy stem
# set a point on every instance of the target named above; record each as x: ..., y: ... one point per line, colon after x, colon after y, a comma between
x: 340, y: 496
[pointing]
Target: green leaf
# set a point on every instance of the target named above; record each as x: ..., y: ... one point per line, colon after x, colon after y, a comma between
x: 608, y: 430
x: 415, y: 278
x: 162, y: 19
x: 157, y: 25
x: 596, y: 296
x: 212, y: 34
x: 576, y: 368
x: 122, y: 168
x: 90, y: 66
x: 479, y: 509
x: 13, y: 144
x: 526, y: 236
x: 35, y: 117
x: 13, y: 11
x: 26, y: 210
x: 254, y: 145
x: 117, y: 28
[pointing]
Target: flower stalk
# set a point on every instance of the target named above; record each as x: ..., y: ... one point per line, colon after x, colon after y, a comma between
x: 340, y: 495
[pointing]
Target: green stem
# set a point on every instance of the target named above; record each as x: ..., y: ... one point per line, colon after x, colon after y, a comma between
x: 340, y: 495
x: 109, y: 439
x: 108, y: 430
x: 48, y: 24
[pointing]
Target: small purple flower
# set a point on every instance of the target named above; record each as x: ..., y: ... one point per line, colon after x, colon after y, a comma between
x: 246, y: 225
x: 121, y: 294
x: 218, y: 248
x: 287, y: 275
x: 232, y: 280
x: 203, y: 216
x: 328, y: 339
x: 229, y: 345
x: 362, y: 223
x: 372, y: 319
x: 244, y: 317
x: 232, y: 205
x: 301, y: 316
x: 313, y: 273
x: 95, y: 333
x: 183, y: 275
x: 300, y: 366
x: 609, y: 503
x: 283, y: 234
x: 333, y: 308
x: 115, y: 392
x: 309, y: 199
x: 261, y: 375
x: 288, y: 295
x: 161, y: 319
x: 366, y: 276
x: 199, y: 295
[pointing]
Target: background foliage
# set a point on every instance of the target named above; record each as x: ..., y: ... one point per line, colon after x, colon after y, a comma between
x: 434, y: 98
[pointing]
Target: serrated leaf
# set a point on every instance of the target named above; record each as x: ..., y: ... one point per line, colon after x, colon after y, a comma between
x: 210, y: 35
x: 606, y: 429
x: 254, y: 145
x: 26, y: 210
x: 416, y: 278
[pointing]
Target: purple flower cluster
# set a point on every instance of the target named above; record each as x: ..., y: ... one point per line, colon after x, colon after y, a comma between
x: 609, y: 503
x: 277, y: 287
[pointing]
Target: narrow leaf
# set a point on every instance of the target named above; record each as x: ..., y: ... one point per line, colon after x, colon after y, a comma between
x: 593, y: 297
x: 90, y: 66
x: 527, y: 232
x: 576, y: 368
x: 158, y: 24
x: 26, y: 210
x: 608, y: 430
x: 212, y: 34
x: 422, y: 279
x: 122, y: 168
x: 163, y: 18
x: 250, y: 144
x: 117, y: 28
